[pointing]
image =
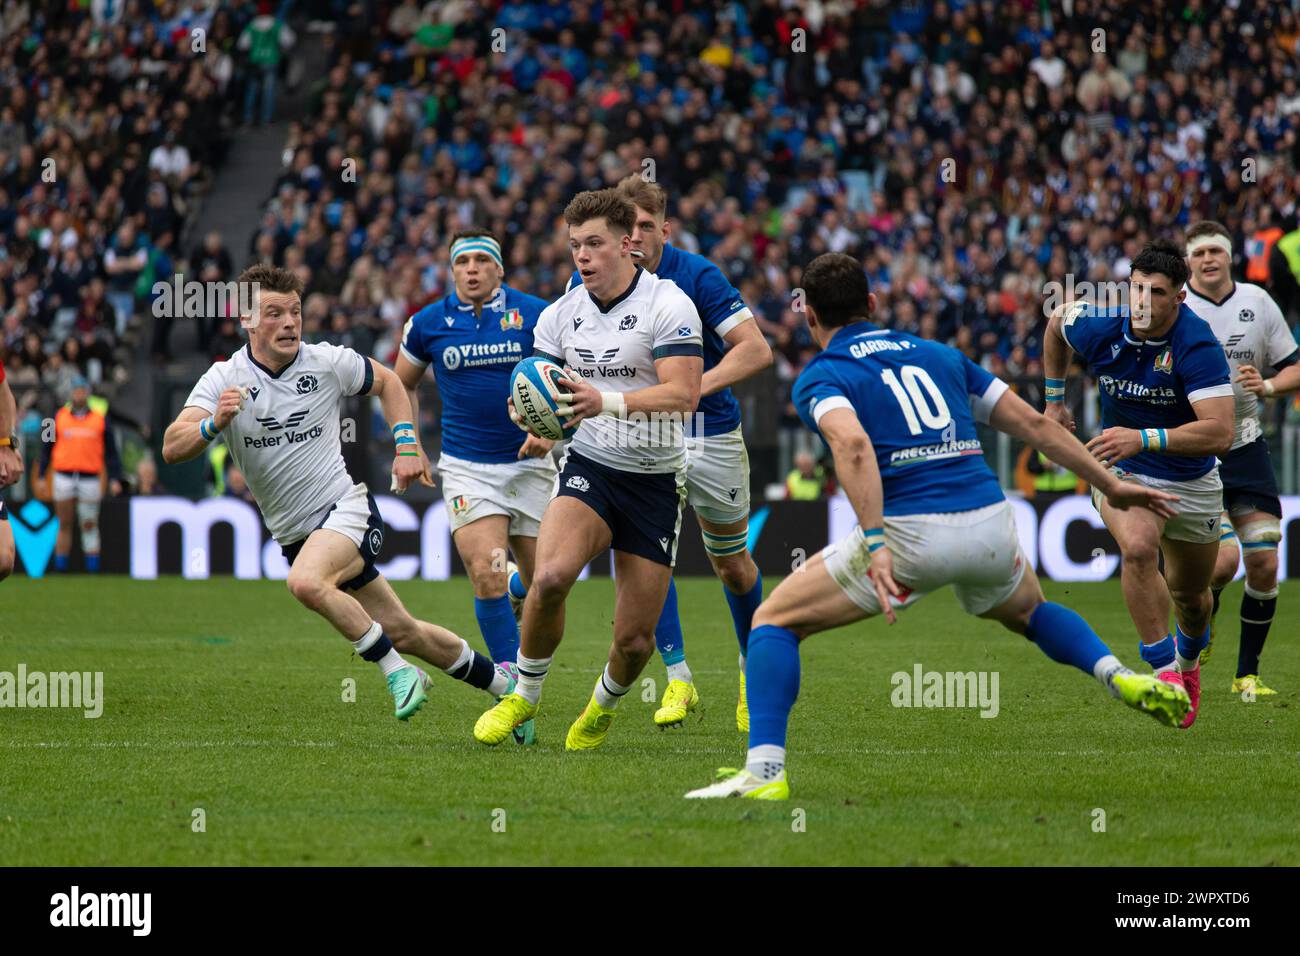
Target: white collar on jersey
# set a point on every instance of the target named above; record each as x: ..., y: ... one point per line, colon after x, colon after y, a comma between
x: 248, y: 349
x: 1201, y: 295
x: 497, y: 303
x: 1132, y: 341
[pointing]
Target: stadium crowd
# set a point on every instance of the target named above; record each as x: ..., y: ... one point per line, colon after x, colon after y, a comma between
x: 970, y: 153
x: 113, y: 119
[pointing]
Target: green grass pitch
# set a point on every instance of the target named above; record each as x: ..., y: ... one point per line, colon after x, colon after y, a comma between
x: 226, y: 696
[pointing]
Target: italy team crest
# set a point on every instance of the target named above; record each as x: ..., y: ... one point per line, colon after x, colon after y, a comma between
x: 459, y: 504
x: 1165, y: 362
x: 514, y: 319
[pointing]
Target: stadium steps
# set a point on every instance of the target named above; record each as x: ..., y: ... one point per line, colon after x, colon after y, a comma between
x: 232, y: 206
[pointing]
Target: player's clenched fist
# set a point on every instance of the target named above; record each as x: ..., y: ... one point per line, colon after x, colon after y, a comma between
x: 406, y: 469
x: 228, y: 406
x: 1248, y: 377
x: 11, y: 466
x: 1059, y: 413
x: 1115, y: 444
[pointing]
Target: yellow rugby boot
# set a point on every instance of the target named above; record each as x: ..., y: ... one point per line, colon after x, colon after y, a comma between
x: 680, y: 698
x: 1250, y: 687
x: 499, y: 723
x: 589, y: 730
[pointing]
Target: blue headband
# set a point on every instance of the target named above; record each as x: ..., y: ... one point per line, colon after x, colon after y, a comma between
x: 477, y: 244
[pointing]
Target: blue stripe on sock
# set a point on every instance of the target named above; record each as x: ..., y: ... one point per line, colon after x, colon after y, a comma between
x: 1190, y: 647
x: 496, y: 622
x: 668, y: 632
x: 1160, y: 654
x: 743, y: 607
x: 1065, y: 637
x: 771, y: 682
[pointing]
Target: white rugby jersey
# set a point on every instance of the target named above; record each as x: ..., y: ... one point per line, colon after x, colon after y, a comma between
x: 1252, y: 331
x: 286, y: 437
x: 615, y: 350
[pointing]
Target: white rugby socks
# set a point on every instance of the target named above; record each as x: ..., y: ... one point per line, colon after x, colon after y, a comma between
x: 766, y: 761
x: 365, y: 645
x: 532, y: 671
x: 609, y: 691
x: 679, y: 671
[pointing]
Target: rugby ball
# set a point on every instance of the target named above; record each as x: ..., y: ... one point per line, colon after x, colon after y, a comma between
x: 535, y: 390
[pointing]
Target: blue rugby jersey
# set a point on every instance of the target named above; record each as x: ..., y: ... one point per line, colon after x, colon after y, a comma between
x: 721, y: 310
x: 918, y: 401
x: 472, y: 359
x: 1152, y: 383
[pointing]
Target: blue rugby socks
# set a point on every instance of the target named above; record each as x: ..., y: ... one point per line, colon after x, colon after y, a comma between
x: 496, y: 622
x: 772, y: 676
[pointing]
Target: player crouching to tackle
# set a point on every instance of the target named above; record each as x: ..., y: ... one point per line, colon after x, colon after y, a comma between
x: 622, y: 482
x: 277, y: 401
x: 899, y: 413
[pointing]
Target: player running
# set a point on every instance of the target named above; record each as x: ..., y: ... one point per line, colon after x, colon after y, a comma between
x: 899, y: 414
x: 276, y: 401
x: 622, y: 482
x: 11, y: 469
x: 717, y: 464
x: 1166, y: 408
x: 494, y: 487
x: 1255, y: 337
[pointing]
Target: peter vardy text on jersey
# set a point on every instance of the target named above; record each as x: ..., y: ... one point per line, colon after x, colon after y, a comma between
x: 606, y: 371
x: 289, y: 438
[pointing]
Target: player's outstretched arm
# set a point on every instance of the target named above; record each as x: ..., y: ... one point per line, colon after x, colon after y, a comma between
x: 1283, y: 383
x: 11, y: 463
x: 747, y: 354
x: 1013, y: 415
x: 195, y: 429
x: 410, y: 374
x: 859, y: 476
x: 1210, y: 434
x: 396, y: 406
x: 1056, y: 366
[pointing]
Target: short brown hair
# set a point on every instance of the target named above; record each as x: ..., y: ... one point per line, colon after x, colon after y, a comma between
x: 473, y: 232
x: 271, y: 278
x: 836, y: 287
x: 619, y: 213
x: 649, y: 196
x: 1207, y: 227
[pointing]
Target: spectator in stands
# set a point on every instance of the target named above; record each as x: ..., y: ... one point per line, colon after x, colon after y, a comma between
x: 807, y: 481
x: 264, y: 40
x: 236, y: 485
x: 146, y: 481
x: 124, y: 261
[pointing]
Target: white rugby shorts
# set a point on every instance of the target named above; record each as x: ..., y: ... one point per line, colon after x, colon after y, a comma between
x: 977, y: 552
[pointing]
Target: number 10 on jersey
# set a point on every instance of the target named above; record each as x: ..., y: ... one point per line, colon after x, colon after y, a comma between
x: 916, y: 393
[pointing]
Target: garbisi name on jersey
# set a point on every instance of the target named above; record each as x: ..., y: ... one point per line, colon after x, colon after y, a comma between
x: 1123, y: 388
x: 871, y: 346
x: 288, y: 438
x: 948, y: 449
